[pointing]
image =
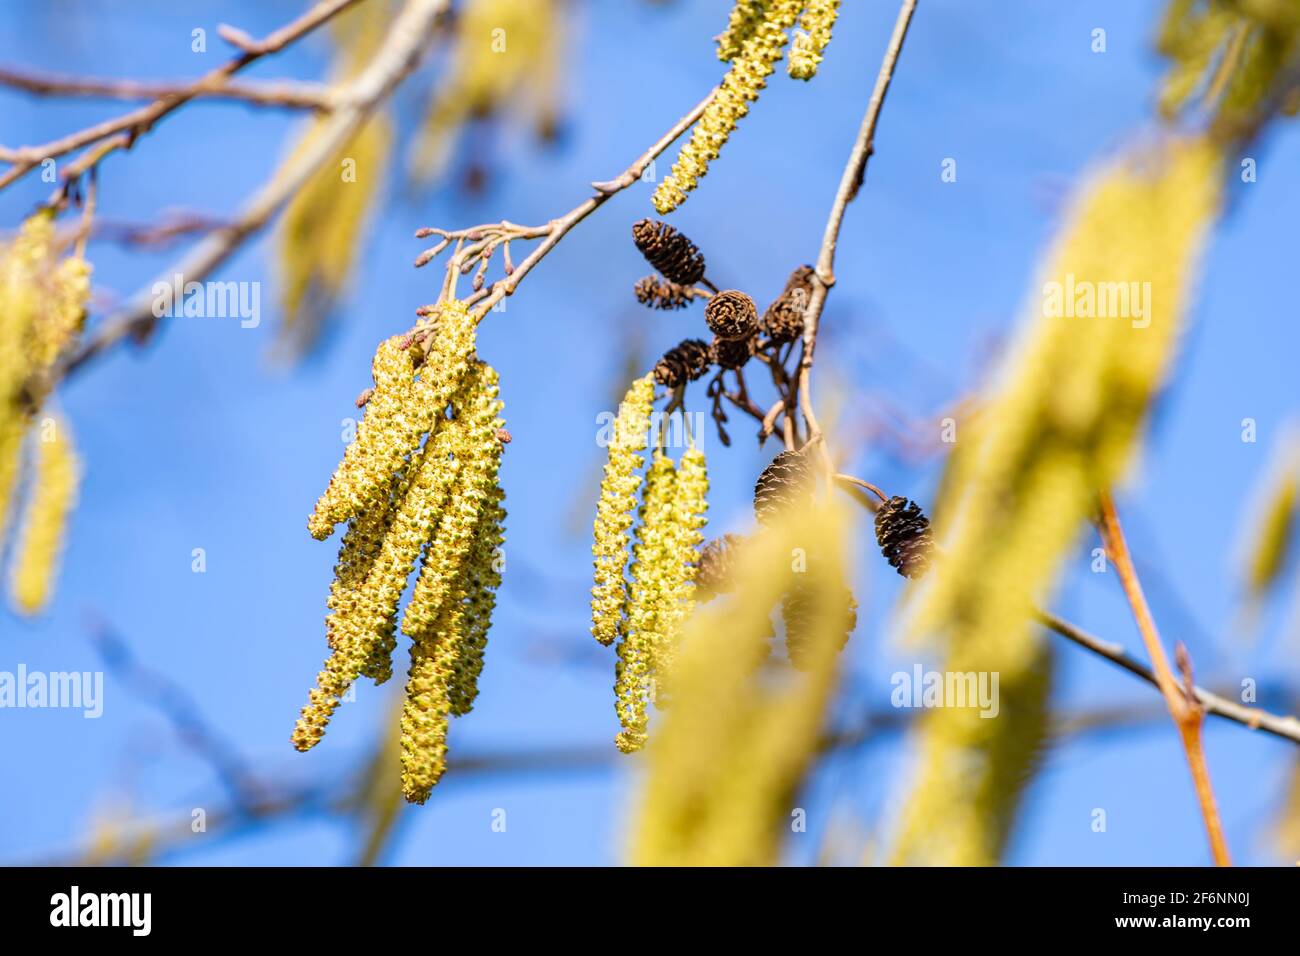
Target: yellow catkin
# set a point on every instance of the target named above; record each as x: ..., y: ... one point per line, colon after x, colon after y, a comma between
x: 727, y: 762
x: 614, y: 509
x: 746, y: 17
x: 476, y: 456
x: 973, y: 770
x: 660, y: 597
x: 1066, y: 418
x: 401, y: 409
x: 324, y: 225
x: 1235, y: 60
x: 506, y: 53
x: 690, y: 505
x: 1271, y: 534
x: 426, y: 713
x: 42, y: 309
x: 812, y: 38
x: 750, y: 68
x: 650, y: 601
x: 40, y: 540
x: 322, y: 230
x: 482, y: 578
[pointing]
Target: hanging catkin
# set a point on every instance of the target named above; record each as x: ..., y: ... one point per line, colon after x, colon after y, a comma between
x: 443, y: 499
x: 400, y: 410
x: 614, y: 510
x: 661, y: 595
x: 54, y: 492
x: 750, y: 67
x: 811, y: 38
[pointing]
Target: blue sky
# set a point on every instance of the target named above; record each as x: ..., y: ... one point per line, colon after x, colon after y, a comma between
x: 198, y: 442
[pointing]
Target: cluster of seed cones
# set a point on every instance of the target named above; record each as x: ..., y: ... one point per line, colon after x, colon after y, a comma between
x: 739, y: 332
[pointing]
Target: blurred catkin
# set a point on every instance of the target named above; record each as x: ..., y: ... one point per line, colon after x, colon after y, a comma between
x: 1238, y: 61
x: 751, y: 65
x: 618, y: 490
x: 40, y: 539
x: 507, y: 54
x: 812, y: 37
x: 1271, y: 535
x: 727, y: 762
x: 324, y: 225
x: 973, y: 769
x: 1066, y: 420
x: 43, y: 299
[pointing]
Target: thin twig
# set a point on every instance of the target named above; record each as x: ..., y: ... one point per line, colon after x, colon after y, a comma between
x: 1183, y: 706
x: 482, y: 239
x: 850, y: 182
x: 402, y: 49
x: 1284, y: 727
x: 122, y: 131
x: 280, y: 93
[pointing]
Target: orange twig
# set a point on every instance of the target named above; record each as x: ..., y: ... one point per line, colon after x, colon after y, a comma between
x: 1186, y: 710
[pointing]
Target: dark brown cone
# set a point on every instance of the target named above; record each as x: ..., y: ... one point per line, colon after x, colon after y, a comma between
x: 903, y: 533
x: 661, y: 294
x: 684, y: 362
x: 716, y: 571
x: 676, y: 257
x: 732, y: 353
x: 786, y: 482
x: 783, y: 320
x: 799, y: 609
x: 731, y: 315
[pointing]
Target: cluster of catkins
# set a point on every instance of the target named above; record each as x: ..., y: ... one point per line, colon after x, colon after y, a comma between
x: 417, y: 484
x: 731, y: 315
x: 644, y: 609
x: 753, y: 43
x: 43, y: 299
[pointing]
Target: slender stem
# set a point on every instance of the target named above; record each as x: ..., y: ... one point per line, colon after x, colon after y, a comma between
x: 1186, y: 711
x: 406, y: 43
x: 281, y: 93
x: 122, y: 131
x: 850, y: 182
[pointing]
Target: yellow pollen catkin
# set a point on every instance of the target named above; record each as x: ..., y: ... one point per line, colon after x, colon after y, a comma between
x: 649, y: 608
x: 324, y: 225
x: 746, y: 17
x: 401, y: 409
x: 476, y: 454
x: 750, y: 68
x: 483, y: 575
x: 618, y: 490
x: 53, y: 494
x: 812, y: 38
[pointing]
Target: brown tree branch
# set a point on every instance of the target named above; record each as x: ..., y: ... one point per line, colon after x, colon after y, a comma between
x: 122, y: 131
x: 407, y: 41
x: 850, y: 182
x: 1182, y: 702
x: 280, y: 93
